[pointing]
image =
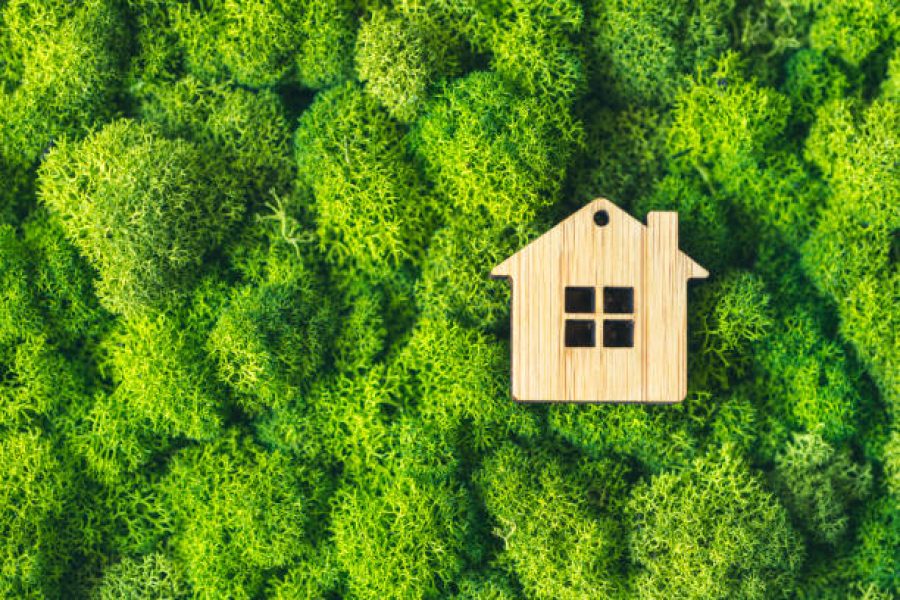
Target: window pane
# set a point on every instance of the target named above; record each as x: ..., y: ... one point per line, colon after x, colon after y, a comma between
x: 618, y: 333
x: 580, y: 334
x: 579, y: 299
x: 618, y: 300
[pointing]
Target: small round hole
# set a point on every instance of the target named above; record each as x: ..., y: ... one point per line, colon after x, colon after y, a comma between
x: 601, y: 218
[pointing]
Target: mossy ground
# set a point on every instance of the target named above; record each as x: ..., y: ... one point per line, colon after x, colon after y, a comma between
x: 248, y: 346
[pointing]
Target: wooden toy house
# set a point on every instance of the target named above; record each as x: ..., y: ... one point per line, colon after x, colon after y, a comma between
x: 599, y: 309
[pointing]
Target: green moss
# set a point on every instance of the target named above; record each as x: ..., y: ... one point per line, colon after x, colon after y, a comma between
x: 157, y: 54
x: 772, y: 29
x: 62, y: 282
x: 367, y: 200
x: 150, y: 576
x: 39, y: 382
x: 341, y: 422
x: 879, y: 534
x: 724, y: 128
x: 852, y: 29
x: 723, y: 124
x: 114, y: 443
x: 469, y: 370
x: 17, y: 195
x: 251, y: 41
x: 811, y: 80
x: 109, y: 521
x: 416, y: 516
x: 729, y: 317
x: 453, y: 285
x: 143, y: 209
x: 711, y: 531
x: 851, y: 255
x: 47, y: 288
x: 626, y: 153
x: 325, y: 54
x: 493, y: 585
x: 891, y: 452
x: 400, y: 56
x: 704, y: 231
x: 736, y: 423
x: 31, y: 502
x: 265, y: 42
x: 413, y: 538
x: 533, y: 45
x: 315, y: 576
x: 62, y: 64
x: 654, y: 437
x: 244, y: 133
x: 513, y: 150
x: 18, y: 314
x: 808, y: 382
x: 393, y: 60
x: 644, y: 51
x: 818, y: 485
x: 162, y: 377
x: 273, y: 336
x: 890, y: 87
x: 362, y: 336
x: 560, y: 533
x: 239, y: 513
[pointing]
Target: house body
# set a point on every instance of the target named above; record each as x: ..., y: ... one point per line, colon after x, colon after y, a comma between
x: 599, y: 309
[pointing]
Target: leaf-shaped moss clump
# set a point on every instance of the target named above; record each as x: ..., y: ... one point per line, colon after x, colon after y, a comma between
x: 144, y: 210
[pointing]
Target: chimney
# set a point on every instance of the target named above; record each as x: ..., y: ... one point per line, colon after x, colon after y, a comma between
x: 664, y: 228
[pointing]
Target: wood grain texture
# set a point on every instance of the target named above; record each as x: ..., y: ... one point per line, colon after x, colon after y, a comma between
x: 622, y: 253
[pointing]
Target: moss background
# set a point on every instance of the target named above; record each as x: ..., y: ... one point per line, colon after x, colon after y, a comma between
x: 248, y: 346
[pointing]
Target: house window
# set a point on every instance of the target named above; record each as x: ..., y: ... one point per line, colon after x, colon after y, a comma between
x: 617, y: 332
x: 580, y: 333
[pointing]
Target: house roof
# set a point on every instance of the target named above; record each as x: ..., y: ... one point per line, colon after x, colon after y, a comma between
x: 695, y: 270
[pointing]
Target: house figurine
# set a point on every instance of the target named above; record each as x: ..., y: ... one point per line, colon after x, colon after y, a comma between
x: 599, y: 309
